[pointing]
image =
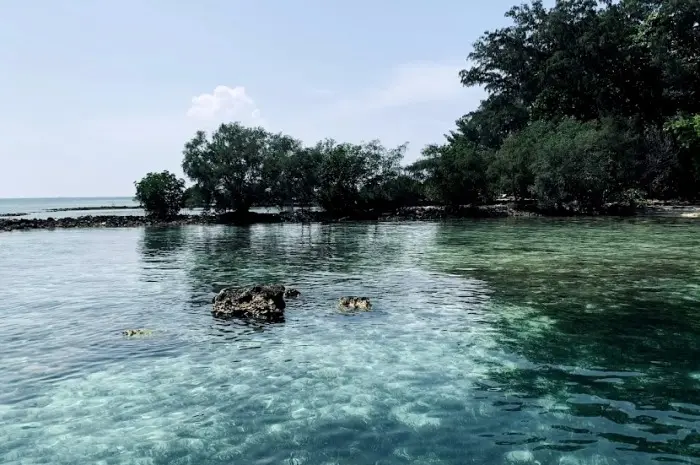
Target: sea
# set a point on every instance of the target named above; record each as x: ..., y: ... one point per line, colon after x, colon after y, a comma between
x: 496, y: 341
x: 68, y: 206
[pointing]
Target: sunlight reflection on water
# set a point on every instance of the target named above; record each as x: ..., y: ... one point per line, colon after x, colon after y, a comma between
x: 472, y: 353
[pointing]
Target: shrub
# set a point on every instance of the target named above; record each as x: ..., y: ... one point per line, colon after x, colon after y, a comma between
x: 160, y: 194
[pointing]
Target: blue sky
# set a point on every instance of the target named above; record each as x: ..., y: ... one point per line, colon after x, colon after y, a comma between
x: 97, y: 93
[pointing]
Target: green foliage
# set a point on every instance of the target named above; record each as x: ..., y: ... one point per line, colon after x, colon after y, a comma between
x: 584, y: 60
x: 498, y: 117
x: 557, y: 78
x: 401, y: 191
x: 160, y: 194
x: 238, y: 167
x: 193, y: 197
x: 454, y: 173
x: 659, y: 165
x: 512, y: 167
x: 299, y: 178
x: 591, y: 104
x: 354, y: 177
x: 685, y: 131
x: 581, y: 166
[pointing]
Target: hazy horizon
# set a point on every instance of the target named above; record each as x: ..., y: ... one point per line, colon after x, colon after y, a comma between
x: 71, y: 197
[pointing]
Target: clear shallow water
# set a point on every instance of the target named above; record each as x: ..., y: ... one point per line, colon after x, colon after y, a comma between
x: 520, y: 341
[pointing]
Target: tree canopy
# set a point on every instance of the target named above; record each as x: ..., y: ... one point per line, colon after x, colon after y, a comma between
x: 160, y: 194
x: 590, y: 104
x: 239, y: 167
x: 588, y: 101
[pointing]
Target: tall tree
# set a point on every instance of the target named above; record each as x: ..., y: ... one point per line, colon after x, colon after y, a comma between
x: 238, y: 166
x: 352, y: 176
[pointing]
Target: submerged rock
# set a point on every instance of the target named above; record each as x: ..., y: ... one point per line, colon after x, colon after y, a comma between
x: 137, y: 332
x: 290, y: 293
x: 264, y: 302
x: 355, y: 303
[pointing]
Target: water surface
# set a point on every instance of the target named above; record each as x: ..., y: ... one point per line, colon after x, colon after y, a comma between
x: 499, y: 341
x: 43, y: 208
x: 67, y: 207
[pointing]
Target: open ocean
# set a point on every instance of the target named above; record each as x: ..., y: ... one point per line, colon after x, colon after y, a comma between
x: 43, y: 207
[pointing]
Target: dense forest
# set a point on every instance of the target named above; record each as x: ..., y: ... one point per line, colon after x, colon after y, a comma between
x: 592, y: 107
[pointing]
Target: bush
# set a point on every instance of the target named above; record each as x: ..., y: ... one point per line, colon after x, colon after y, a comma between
x: 581, y: 167
x: 454, y: 174
x: 352, y: 177
x: 194, y: 197
x: 239, y: 167
x: 160, y: 194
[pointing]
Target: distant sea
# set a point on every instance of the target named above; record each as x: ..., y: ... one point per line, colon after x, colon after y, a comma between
x: 61, y: 207
x: 45, y: 207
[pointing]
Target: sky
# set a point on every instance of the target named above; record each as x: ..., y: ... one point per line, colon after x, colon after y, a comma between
x: 95, y: 94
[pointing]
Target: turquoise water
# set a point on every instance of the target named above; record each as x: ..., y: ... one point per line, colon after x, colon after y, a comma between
x: 491, y: 342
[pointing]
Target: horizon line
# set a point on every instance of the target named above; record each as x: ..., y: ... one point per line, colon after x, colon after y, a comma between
x: 69, y: 197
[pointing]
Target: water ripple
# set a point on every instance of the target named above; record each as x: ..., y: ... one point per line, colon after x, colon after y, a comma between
x: 489, y: 342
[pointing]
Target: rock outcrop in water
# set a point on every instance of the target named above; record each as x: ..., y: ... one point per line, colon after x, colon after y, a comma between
x: 11, y: 215
x: 352, y: 303
x: 291, y: 293
x: 261, y: 302
x: 137, y: 332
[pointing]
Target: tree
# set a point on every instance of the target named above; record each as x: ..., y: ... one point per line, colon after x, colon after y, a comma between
x: 352, y: 176
x: 659, y: 168
x: 512, y: 168
x: 290, y: 173
x: 685, y: 131
x: 669, y: 31
x: 582, y: 167
x: 497, y: 117
x: 454, y: 173
x: 239, y: 166
x: 578, y: 59
x: 160, y: 194
x: 193, y: 197
x: 601, y: 71
x: 300, y: 178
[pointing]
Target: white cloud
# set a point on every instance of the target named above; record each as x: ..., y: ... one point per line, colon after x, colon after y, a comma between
x: 226, y: 104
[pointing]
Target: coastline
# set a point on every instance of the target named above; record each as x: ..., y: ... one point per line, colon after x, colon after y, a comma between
x: 403, y: 214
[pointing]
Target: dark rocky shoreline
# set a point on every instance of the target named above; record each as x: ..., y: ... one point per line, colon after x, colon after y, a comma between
x: 9, y: 215
x: 101, y: 207
x: 117, y: 221
x: 402, y: 214
x: 98, y: 221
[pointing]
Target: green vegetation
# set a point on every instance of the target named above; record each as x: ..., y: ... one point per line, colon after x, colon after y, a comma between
x: 592, y: 107
x: 590, y: 104
x: 239, y: 167
x: 160, y: 194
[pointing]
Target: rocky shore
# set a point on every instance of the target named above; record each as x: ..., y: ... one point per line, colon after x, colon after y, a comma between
x: 98, y: 221
x: 305, y: 216
x: 299, y: 216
